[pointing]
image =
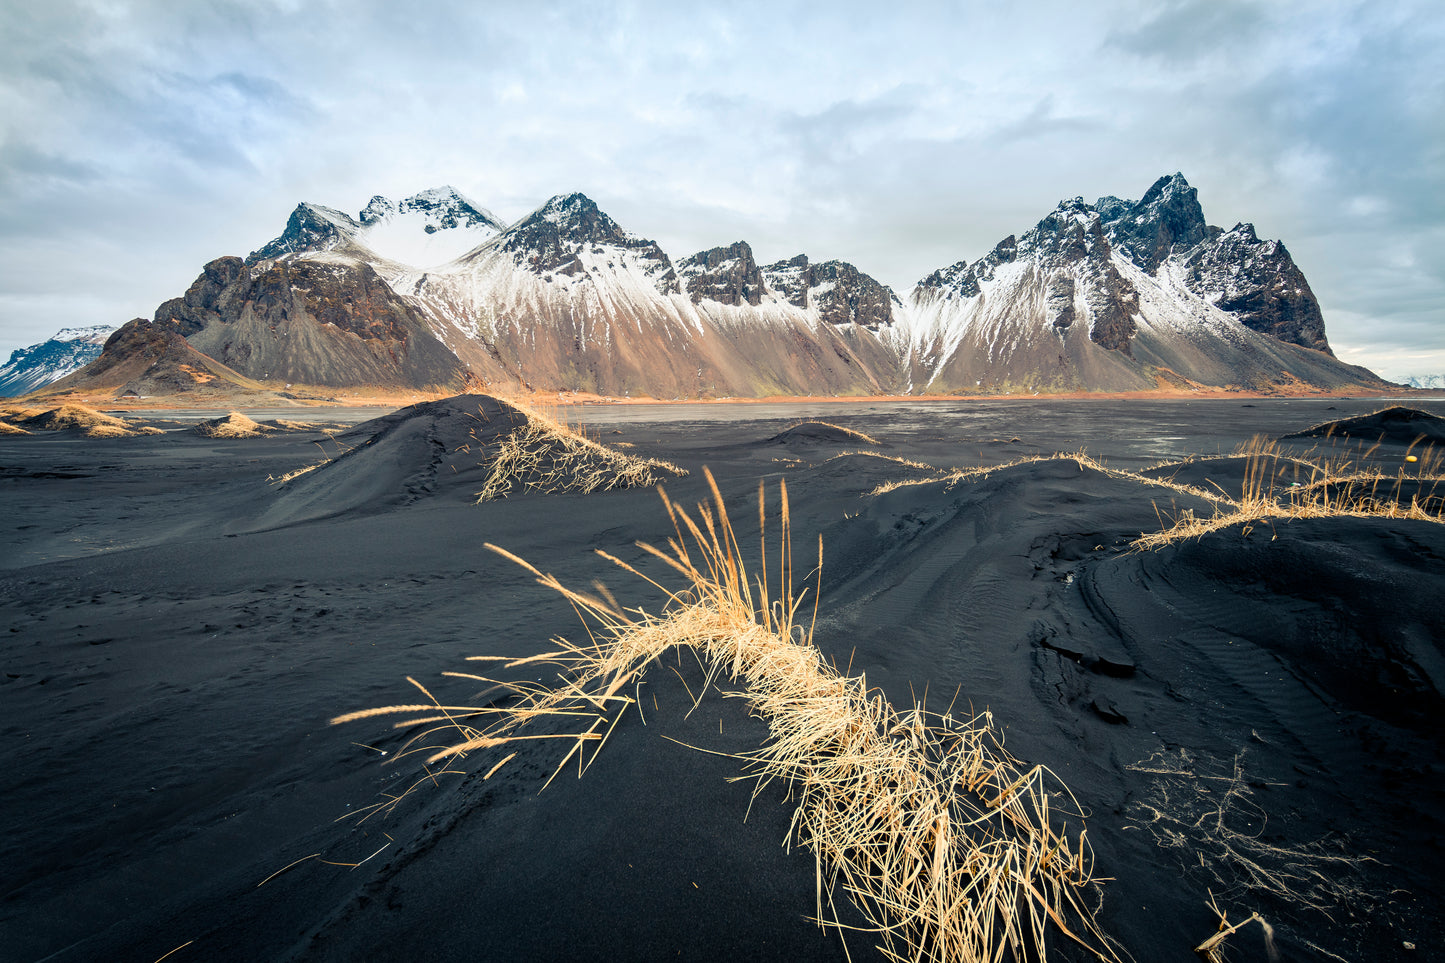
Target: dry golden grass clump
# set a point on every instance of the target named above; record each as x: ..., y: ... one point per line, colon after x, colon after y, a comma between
x: 1080, y: 458
x: 8, y: 429
x: 1279, y: 486
x: 78, y: 418
x: 951, y: 849
x: 541, y: 454
x: 233, y: 425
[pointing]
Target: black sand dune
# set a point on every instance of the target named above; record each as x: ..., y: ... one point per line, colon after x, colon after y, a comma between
x: 1250, y: 715
x: 438, y: 448
x: 1395, y: 423
x: 812, y: 433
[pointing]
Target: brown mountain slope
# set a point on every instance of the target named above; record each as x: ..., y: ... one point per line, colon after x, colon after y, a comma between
x: 147, y: 358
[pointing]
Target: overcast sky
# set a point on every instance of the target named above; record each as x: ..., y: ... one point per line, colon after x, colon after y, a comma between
x: 139, y: 140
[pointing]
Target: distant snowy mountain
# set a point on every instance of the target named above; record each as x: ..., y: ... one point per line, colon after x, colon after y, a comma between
x: 41, y: 364
x: 1436, y: 381
x: 434, y: 292
x: 1124, y: 296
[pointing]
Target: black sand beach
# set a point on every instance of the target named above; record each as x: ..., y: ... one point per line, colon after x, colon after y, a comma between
x: 1251, y: 718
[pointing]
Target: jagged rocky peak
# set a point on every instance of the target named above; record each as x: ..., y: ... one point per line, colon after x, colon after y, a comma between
x: 1073, y: 231
x: 1259, y: 283
x: 1112, y: 208
x: 1167, y: 220
x: 203, y: 302
x: 790, y: 278
x: 845, y: 295
x: 377, y: 209
x: 570, y: 232
x: 728, y: 275
x: 311, y: 227
x: 963, y: 280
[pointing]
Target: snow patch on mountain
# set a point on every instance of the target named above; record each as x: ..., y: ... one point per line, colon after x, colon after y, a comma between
x: 426, y: 229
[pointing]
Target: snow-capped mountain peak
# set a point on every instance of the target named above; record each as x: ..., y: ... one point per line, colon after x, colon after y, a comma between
x: 426, y: 229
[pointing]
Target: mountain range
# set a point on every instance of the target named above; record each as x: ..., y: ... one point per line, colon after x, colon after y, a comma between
x: 436, y: 293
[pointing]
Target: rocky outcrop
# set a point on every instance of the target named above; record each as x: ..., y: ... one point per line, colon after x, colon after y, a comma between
x: 1167, y: 220
x: 1259, y: 283
x: 727, y: 275
x: 304, y: 321
x: 310, y: 227
x: 839, y: 292
x: 205, y: 301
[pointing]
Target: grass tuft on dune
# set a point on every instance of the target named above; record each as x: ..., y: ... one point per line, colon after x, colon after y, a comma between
x: 78, y: 417
x: 950, y: 848
x: 1281, y: 487
x: 233, y: 425
x: 543, y: 454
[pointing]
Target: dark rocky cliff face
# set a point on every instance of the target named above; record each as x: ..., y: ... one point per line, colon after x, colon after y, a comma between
x: 1259, y: 283
x: 1256, y: 281
x: 1073, y: 251
x: 728, y: 275
x: 1166, y: 221
x: 841, y: 293
x: 203, y: 302
x: 550, y: 239
x: 845, y: 295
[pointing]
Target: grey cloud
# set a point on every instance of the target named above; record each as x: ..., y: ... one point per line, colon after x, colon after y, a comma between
x: 1191, y: 30
x: 1042, y: 121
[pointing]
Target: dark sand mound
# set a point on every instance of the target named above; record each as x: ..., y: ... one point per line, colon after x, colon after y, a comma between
x: 8, y: 429
x: 821, y: 433
x: 1280, y: 677
x: 1396, y: 424
x: 463, y: 447
x: 1293, y: 479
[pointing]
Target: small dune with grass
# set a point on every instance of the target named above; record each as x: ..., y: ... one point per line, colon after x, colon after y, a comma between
x: 528, y: 451
x: 83, y: 420
x: 233, y: 425
x: 1275, y: 485
x: 473, y: 447
x: 812, y: 432
x: 950, y: 848
x: 1395, y: 423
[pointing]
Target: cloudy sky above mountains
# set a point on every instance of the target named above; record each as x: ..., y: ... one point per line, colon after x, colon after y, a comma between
x: 138, y: 140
